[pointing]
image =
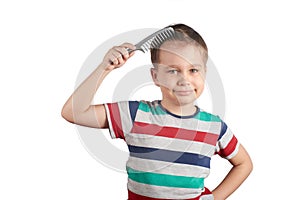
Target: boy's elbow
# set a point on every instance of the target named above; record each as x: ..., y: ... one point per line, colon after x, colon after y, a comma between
x: 67, y: 114
x: 250, y: 166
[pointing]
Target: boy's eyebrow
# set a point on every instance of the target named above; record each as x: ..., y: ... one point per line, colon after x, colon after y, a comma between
x: 192, y: 65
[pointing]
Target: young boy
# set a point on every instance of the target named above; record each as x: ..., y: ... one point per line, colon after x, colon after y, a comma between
x: 171, y: 141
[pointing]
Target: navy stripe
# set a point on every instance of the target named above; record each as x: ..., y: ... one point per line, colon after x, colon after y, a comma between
x: 169, y: 156
x: 133, y: 107
x: 223, y: 130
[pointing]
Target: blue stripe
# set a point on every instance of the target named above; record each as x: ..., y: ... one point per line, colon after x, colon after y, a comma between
x: 223, y: 130
x: 133, y: 107
x: 169, y: 156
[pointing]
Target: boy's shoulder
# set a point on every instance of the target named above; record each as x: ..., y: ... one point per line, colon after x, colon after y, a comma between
x: 149, y: 106
x: 206, y: 116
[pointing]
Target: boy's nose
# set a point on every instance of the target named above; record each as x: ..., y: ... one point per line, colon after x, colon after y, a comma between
x: 183, y: 80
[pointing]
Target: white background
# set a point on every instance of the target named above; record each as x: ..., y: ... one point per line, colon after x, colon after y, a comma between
x: 43, y: 44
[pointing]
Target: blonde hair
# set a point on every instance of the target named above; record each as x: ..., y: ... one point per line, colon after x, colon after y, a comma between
x: 182, y: 33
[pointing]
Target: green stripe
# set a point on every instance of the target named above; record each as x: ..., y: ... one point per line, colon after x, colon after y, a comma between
x: 204, y: 116
x: 144, y: 107
x: 155, y: 111
x: 159, y: 111
x: 165, y: 180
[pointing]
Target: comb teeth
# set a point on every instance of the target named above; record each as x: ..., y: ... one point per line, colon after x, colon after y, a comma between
x: 155, y: 40
x: 146, y: 46
x: 162, y: 37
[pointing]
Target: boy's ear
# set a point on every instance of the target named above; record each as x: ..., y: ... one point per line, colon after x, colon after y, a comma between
x: 154, y: 76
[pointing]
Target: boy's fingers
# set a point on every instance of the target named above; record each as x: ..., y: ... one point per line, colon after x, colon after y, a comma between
x: 118, y: 57
x: 129, y: 45
x: 123, y: 51
x: 119, y: 54
x: 116, y: 53
x: 114, y: 61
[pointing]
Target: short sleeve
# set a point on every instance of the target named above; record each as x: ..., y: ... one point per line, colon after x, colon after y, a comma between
x: 227, y: 145
x: 120, y: 117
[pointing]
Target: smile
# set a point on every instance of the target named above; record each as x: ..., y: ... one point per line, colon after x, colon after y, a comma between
x: 183, y: 92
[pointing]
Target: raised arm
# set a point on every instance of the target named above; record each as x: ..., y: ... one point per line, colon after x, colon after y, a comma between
x: 78, y: 108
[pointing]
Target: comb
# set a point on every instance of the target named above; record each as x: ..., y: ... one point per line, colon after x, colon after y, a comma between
x: 154, y: 40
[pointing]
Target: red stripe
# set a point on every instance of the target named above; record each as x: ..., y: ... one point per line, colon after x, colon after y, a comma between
x: 171, y: 132
x: 205, y: 192
x: 133, y: 196
x: 115, y: 118
x: 229, y: 148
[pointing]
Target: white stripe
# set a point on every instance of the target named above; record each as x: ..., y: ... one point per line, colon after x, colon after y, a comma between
x: 125, y: 116
x: 170, y: 121
x: 161, y: 167
x: 172, y: 144
x: 226, y: 138
x: 162, y: 192
x: 207, y: 197
x: 110, y: 127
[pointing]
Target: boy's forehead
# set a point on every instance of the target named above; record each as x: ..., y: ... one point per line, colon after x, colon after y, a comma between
x: 175, y: 52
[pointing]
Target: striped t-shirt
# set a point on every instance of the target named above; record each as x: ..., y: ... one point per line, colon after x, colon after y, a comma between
x: 169, y: 154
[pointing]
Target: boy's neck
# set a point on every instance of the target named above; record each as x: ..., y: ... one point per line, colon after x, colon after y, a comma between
x: 179, y: 109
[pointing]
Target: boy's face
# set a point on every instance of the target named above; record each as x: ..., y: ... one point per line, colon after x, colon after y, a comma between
x: 180, y: 73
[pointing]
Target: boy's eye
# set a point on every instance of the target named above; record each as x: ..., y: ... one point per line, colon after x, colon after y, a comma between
x: 194, y: 70
x: 173, y: 71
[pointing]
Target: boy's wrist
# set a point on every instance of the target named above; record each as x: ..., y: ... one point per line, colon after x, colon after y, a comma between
x: 215, y: 196
x: 105, y: 67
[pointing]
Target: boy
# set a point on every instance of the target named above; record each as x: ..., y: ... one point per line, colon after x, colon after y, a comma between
x: 171, y: 141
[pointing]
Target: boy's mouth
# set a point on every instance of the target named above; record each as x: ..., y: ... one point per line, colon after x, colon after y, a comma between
x: 183, y: 92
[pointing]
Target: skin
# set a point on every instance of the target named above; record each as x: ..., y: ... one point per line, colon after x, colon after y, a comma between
x: 78, y: 109
x: 180, y: 74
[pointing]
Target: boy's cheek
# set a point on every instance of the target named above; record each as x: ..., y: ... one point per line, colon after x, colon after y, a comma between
x: 164, y: 82
x: 164, y: 89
